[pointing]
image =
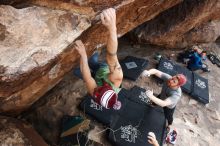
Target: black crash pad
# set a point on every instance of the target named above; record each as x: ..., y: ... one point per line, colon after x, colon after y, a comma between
x: 132, y: 110
x: 101, y: 114
x: 127, y: 132
x: 189, y: 75
x: 154, y: 121
x: 167, y: 66
x: 133, y: 132
x: 138, y: 95
x: 132, y: 67
x: 200, y: 89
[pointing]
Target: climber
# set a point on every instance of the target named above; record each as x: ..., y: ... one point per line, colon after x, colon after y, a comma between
x: 170, y: 93
x: 108, y: 78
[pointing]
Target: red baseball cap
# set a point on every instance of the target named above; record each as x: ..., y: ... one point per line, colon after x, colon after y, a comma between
x: 181, y: 79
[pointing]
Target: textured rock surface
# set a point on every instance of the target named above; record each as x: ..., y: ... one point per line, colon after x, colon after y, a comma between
x: 31, y: 40
x: 205, y: 33
x: 173, y: 28
x: 35, y: 55
x: 14, y: 132
x: 197, y: 125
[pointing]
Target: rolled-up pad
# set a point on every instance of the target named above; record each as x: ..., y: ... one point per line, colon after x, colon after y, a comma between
x: 133, y: 132
x: 167, y: 66
x: 74, y: 131
x: 182, y: 70
x: 138, y: 95
x: 73, y: 124
x: 101, y: 114
x: 79, y: 138
x: 132, y: 67
x: 200, y: 89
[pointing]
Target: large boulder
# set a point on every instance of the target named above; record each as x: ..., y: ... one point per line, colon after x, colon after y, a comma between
x: 185, y: 24
x: 37, y: 42
x: 15, y: 132
x: 31, y: 40
x: 205, y: 33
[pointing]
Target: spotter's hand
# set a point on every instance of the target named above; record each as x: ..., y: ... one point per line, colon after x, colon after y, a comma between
x: 149, y: 93
x: 152, y: 139
x: 145, y: 73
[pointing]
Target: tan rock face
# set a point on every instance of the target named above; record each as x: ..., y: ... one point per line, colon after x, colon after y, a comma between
x: 15, y: 132
x: 205, y: 33
x: 174, y: 28
x: 37, y: 49
x: 31, y: 40
x: 10, y: 2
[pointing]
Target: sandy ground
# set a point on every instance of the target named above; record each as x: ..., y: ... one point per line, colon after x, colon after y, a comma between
x: 196, y: 124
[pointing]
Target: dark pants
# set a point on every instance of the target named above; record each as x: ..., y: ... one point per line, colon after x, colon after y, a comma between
x: 169, y: 114
x: 94, y: 65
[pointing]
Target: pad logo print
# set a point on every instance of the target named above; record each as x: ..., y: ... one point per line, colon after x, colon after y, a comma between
x: 95, y: 105
x: 129, y: 133
x: 200, y: 84
x: 168, y: 65
x: 131, y: 65
x: 144, y: 97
